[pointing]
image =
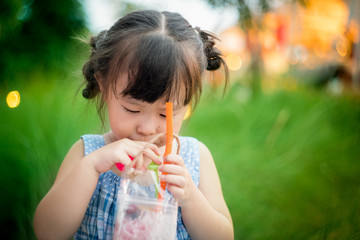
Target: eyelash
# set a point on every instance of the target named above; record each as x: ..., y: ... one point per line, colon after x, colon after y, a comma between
x: 130, y: 111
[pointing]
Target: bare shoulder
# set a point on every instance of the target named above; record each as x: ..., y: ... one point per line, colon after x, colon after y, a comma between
x: 208, y: 169
x: 77, y: 148
x: 76, y: 151
x: 74, y: 155
x: 204, y: 151
x: 209, y: 183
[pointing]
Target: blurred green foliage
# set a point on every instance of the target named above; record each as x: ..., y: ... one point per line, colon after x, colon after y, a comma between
x: 35, y: 36
x: 35, y: 137
x: 288, y: 161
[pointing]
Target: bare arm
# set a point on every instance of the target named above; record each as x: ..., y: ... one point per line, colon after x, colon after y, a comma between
x: 207, y: 216
x: 61, y: 211
x: 203, y: 209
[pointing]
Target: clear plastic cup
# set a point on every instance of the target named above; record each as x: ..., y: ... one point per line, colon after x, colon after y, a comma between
x: 145, y: 218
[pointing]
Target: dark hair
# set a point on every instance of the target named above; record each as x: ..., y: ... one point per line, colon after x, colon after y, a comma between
x: 159, y: 51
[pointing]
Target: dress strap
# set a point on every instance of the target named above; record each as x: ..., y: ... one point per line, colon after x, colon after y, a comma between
x: 92, y: 142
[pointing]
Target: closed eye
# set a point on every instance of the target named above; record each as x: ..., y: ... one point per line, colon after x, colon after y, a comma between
x: 130, y: 111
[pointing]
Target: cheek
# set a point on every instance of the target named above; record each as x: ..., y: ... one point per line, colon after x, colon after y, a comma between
x: 113, y: 114
x: 117, y: 121
x: 177, y: 121
x: 113, y: 121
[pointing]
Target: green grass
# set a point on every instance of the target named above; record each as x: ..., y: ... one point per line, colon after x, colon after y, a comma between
x: 288, y: 161
x: 35, y: 137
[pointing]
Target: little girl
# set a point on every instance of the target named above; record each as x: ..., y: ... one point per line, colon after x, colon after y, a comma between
x: 144, y: 60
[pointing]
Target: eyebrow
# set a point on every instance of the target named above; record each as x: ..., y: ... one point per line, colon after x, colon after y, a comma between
x: 135, y: 101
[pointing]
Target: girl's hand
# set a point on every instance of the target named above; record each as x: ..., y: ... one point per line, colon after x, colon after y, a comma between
x: 178, y: 178
x: 119, y: 151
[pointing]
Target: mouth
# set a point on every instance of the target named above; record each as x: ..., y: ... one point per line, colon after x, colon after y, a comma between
x: 159, y: 139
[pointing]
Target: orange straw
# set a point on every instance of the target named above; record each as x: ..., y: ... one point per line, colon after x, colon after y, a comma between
x: 169, y: 140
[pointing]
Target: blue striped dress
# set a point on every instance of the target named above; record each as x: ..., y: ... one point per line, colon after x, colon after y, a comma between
x: 98, y: 222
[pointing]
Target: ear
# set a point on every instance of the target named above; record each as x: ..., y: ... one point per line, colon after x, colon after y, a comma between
x: 98, y: 78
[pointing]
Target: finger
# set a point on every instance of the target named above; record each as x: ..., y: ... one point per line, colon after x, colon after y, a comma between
x: 154, y: 148
x: 131, y: 148
x: 151, y: 146
x: 176, y: 191
x: 147, y: 162
x: 172, y: 179
x: 135, y: 148
x: 124, y: 159
x: 140, y: 146
x: 143, y: 158
x: 174, y: 159
x: 172, y: 169
x: 152, y: 156
x: 138, y: 161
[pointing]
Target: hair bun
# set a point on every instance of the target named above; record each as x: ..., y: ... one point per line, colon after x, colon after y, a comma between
x: 86, y: 93
x: 213, y: 55
x: 92, y: 88
x: 90, y: 67
x: 94, y: 40
x: 214, y: 60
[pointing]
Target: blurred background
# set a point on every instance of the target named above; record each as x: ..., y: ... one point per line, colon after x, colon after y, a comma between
x: 285, y: 136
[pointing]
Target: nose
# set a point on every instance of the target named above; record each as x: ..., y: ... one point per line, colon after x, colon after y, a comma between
x: 147, y: 126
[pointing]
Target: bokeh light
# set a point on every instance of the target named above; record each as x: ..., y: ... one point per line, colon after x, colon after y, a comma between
x: 341, y: 47
x: 13, y: 99
x: 233, y: 61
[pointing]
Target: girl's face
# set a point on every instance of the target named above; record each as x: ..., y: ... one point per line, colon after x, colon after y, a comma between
x: 138, y: 120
